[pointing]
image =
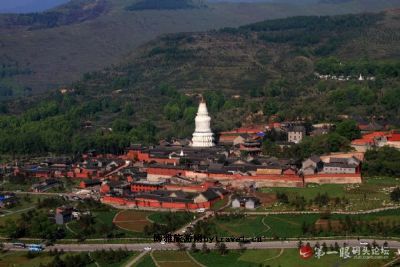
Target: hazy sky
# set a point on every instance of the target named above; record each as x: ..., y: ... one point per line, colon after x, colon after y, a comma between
x: 28, y: 5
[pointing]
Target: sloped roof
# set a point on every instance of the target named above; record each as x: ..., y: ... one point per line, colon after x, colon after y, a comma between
x: 209, y: 194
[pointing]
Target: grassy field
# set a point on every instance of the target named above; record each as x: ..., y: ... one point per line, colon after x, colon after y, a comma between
x: 372, y: 193
x: 120, y: 263
x: 269, y: 226
x: 20, y: 259
x: 285, y: 225
x: 282, y: 258
x: 102, y: 218
x: 146, y: 261
x: 220, y: 203
x: 248, y: 258
x: 25, y: 203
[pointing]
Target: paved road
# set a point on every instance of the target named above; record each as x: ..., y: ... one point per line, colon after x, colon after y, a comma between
x: 233, y: 245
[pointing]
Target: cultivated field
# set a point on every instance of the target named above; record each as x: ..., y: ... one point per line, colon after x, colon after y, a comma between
x: 132, y: 220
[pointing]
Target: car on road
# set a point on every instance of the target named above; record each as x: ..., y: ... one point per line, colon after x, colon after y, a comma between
x: 201, y: 210
x: 363, y: 243
x: 147, y: 248
x: 162, y: 242
x: 19, y: 245
x: 35, y: 247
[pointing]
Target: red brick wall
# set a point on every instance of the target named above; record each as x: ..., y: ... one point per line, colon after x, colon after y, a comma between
x: 144, y: 188
x: 325, y: 178
x: 165, y: 171
x: 155, y: 204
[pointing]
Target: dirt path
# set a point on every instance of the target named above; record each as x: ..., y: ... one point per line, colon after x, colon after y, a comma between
x: 277, y: 256
x: 154, y: 259
x: 194, y: 260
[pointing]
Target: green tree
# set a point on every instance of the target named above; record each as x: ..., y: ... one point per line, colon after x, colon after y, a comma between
x: 348, y: 129
x: 121, y: 125
x: 395, y: 194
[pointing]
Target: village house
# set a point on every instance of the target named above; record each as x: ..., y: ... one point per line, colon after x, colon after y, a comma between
x: 342, y: 165
x: 311, y: 165
x: 377, y: 139
x: 63, y: 214
x: 247, y: 202
x: 46, y: 185
x: 118, y: 188
x: 89, y: 183
x: 210, y: 195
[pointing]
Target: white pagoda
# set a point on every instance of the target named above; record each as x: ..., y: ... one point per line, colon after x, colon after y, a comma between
x: 203, y: 136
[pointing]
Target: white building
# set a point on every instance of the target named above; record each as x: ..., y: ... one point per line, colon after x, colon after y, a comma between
x: 203, y: 136
x: 296, y: 134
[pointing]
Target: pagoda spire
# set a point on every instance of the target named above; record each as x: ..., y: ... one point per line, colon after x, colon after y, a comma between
x: 203, y: 136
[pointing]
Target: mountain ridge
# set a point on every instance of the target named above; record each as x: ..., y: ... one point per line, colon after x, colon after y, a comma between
x: 58, y: 55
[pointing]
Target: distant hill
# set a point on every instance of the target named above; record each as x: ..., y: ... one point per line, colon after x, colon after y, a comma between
x: 70, y: 13
x: 51, y: 49
x: 28, y: 6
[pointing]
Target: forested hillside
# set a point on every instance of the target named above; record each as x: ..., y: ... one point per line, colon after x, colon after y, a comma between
x: 76, y: 11
x: 59, y: 45
x: 246, y: 74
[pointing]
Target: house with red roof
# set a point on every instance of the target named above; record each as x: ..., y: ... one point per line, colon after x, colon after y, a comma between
x: 376, y: 139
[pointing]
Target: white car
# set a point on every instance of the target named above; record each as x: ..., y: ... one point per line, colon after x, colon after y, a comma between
x: 147, y: 248
x: 363, y: 243
x: 162, y: 242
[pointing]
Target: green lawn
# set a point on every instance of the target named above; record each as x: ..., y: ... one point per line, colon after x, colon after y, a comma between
x: 220, y: 203
x: 277, y: 257
x: 268, y: 226
x: 289, y: 225
x: 121, y: 262
x: 20, y: 259
x: 24, y: 204
x: 146, y: 261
